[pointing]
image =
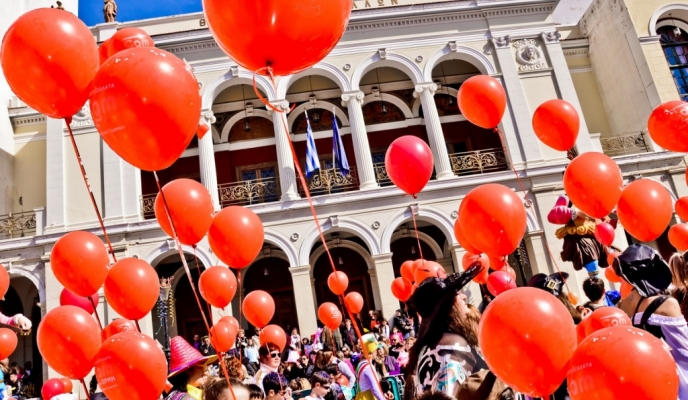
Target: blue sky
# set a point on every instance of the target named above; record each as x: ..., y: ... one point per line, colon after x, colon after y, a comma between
x: 91, y: 11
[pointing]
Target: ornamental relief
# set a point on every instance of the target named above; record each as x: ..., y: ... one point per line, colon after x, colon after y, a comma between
x: 529, y: 55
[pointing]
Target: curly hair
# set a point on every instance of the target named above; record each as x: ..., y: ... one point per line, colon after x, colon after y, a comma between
x: 234, y: 368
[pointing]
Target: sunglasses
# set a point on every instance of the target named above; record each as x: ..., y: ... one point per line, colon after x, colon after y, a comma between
x: 326, y: 387
x: 274, y: 355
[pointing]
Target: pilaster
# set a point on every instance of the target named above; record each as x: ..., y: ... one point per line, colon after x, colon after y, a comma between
x: 305, y: 301
x: 382, y: 277
x: 55, y: 190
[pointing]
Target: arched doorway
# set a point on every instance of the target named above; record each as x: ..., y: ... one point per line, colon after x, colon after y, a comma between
x: 22, y: 297
x: 404, y: 244
x: 272, y: 275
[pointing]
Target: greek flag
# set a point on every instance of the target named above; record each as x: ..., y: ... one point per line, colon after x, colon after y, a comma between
x: 312, y: 161
x: 338, y: 152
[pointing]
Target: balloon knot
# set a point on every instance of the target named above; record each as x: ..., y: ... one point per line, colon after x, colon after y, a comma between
x: 68, y: 120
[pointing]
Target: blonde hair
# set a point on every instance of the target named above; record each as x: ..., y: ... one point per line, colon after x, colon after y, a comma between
x: 679, y: 270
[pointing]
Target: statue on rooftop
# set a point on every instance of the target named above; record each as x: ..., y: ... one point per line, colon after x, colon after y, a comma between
x: 110, y: 10
x: 59, y: 6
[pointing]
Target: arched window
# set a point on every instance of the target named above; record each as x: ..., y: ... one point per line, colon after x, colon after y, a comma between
x: 674, y: 42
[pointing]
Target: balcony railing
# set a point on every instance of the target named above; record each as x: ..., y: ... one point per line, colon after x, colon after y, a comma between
x: 16, y: 225
x: 632, y: 143
x: 478, y: 162
x: 329, y: 181
x: 245, y: 193
x: 381, y: 174
x: 148, y: 206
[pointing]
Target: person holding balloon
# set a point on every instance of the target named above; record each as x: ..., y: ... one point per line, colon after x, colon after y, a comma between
x: 187, y: 370
x: 269, y: 356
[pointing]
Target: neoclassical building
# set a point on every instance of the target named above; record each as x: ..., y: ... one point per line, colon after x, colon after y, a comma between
x: 395, y: 72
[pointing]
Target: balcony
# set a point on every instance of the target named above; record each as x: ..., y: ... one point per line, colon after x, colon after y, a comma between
x: 15, y: 225
x: 618, y: 145
x: 381, y: 174
x: 245, y: 193
x: 148, y: 206
x: 328, y: 181
x: 478, y: 162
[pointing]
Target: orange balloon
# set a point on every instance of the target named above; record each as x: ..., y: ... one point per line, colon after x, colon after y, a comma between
x: 338, y: 282
x: 236, y: 236
x: 497, y: 218
x: 49, y: 59
x: 645, y: 209
x: 611, y: 258
x: 626, y: 289
x: 8, y: 342
x: 429, y: 269
x: 606, y: 317
x: 611, y: 275
x: 482, y: 100
x: 68, y: 386
x: 469, y: 259
x: 222, y: 336
x: 518, y: 325
x: 191, y: 209
x: 233, y: 323
x: 132, y: 288
x: 622, y: 363
x: 407, y: 271
x: 573, y: 298
x: 497, y: 263
x: 218, y: 285
x: 668, y: 126
x: 593, y: 183
x: 681, y: 208
x: 678, y: 236
x: 80, y: 262
x: 556, y: 124
x: 258, y: 308
x: 118, y: 325
x: 137, y: 113
x: 329, y: 315
x: 354, y: 301
x: 463, y: 242
x: 128, y: 38
x: 68, y: 339
x: 4, y: 281
x: 131, y: 366
x: 203, y: 128
x: 273, y: 334
x: 242, y: 30
x: 402, y: 289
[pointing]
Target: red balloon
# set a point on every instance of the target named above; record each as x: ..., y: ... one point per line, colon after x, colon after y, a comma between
x: 80, y: 262
x: 258, y: 308
x: 203, y: 128
x: 142, y: 119
x: 611, y: 275
x: 678, y: 236
x: 68, y: 298
x: 556, y: 124
x: 604, y: 233
x: 497, y: 263
x: 132, y: 288
x: 497, y: 218
x: 645, y: 209
x: 407, y: 271
x: 625, y: 289
x: 131, y: 366
x: 222, y: 336
x: 681, y: 208
x: 68, y: 339
x: 218, y: 285
x: 315, y: 26
x: 338, y: 282
x: 580, y: 331
x: 273, y: 334
x: 49, y: 59
x: 509, y: 271
x: 463, y: 242
x: 469, y: 259
x: 68, y: 386
x: 409, y: 164
x: 4, y: 281
x: 402, y: 289
x: 236, y: 236
x: 593, y: 183
x: 482, y: 100
x: 606, y: 317
x: 482, y: 276
x: 668, y: 126
x: 233, y: 323
x: 52, y: 387
x: 119, y: 325
x: 499, y: 282
x: 611, y: 258
x: 622, y: 363
x: 429, y: 269
x: 8, y: 342
x: 518, y: 325
x: 354, y: 301
x: 104, y: 51
x: 128, y: 38
x: 329, y: 315
x: 191, y: 209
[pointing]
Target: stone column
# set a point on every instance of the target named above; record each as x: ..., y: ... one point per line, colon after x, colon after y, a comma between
x: 364, y: 160
x: 472, y: 290
x: 382, y: 279
x: 206, y: 158
x: 55, y: 190
x: 538, y: 254
x: 285, y: 161
x: 433, y: 127
x: 305, y: 303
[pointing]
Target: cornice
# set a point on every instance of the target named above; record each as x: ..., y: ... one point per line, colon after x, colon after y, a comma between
x: 28, y: 120
x: 576, y: 53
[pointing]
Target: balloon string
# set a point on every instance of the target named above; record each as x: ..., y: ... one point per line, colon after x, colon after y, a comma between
x: 83, y: 383
x: 198, y: 269
x: 302, y: 179
x: 557, y: 267
x: 137, y: 326
x: 181, y: 252
x: 68, y: 120
x: 502, y: 139
x: 415, y: 228
x: 241, y: 290
x: 224, y: 369
x: 95, y: 311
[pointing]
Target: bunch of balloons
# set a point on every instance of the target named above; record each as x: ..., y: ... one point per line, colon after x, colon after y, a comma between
x: 412, y: 274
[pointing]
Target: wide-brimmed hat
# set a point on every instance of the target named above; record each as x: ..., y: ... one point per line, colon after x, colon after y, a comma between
x: 550, y: 283
x: 644, y: 269
x: 433, y: 291
x: 183, y: 356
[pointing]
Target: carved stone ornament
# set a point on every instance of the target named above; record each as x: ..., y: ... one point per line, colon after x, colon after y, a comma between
x: 552, y: 36
x: 501, y: 42
x: 294, y: 237
x: 376, y: 225
x: 347, y: 67
x: 83, y: 117
x: 352, y: 96
x: 529, y: 55
x: 455, y: 214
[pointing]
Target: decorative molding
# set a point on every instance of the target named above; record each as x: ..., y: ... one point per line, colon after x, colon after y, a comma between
x: 193, y: 47
x: 576, y: 52
x: 452, y: 46
x: 579, y: 70
x: 511, y: 12
x: 649, y: 39
x: 376, y: 225
x: 405, y: 22
x: 501, y: 42
x: 234, y: 70
x: 334, y: 221
x: 382, y: 53
x: 82, y: 118
x: 294, y: 237
x: 29, y: 120
x: 421, y: 87
x: 551, y: 36
x: 529, y: 55
x: 356, y: 95
x: 419, y: 59
x: 454, y: 214
x: 29, y: 137
x: 347, y: 67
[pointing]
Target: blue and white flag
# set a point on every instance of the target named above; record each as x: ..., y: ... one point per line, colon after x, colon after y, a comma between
x: 338, y: 152
x: 312, y: 161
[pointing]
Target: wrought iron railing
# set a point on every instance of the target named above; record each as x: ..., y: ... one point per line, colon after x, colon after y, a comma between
x: 478, y: 162
x: 148, y: 206
x: 244, y: 193
x: 15, y: 225
x: 381, y: 174
x: 328, y: 181
x: 630, y: 143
